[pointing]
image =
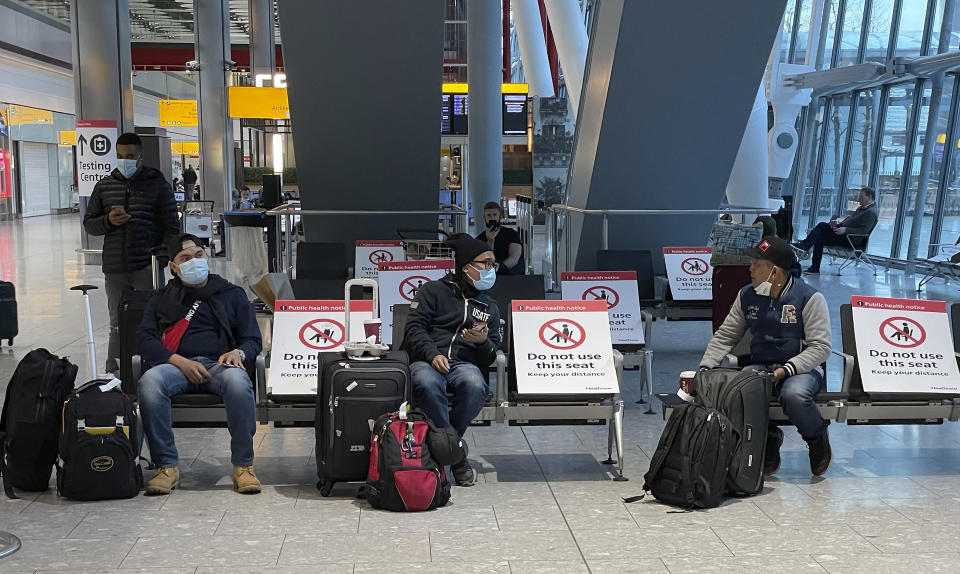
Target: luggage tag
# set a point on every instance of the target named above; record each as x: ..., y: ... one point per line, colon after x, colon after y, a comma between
x: 110, y: 386
x: 402, y: 411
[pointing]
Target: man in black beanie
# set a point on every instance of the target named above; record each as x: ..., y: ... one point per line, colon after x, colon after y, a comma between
x: 452, y: 335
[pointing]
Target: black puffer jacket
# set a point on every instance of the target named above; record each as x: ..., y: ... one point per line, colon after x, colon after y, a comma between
x: 149, y: 200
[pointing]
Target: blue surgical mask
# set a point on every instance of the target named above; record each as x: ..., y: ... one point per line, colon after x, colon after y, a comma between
x: 194, y: 272
x: 487, y: 278
x: 128, y: 167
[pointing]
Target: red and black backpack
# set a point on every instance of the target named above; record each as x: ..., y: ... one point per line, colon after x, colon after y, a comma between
x: 407, y: 458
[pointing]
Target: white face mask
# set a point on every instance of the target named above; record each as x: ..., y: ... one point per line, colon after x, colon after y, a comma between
x: 765, y: 287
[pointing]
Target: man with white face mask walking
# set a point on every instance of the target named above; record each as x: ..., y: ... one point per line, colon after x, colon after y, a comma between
x: 789, y: 322
x: 135, y: 210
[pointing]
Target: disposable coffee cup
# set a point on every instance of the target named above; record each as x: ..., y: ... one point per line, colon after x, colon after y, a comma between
x: 686, y: 381
x: 371, y: 328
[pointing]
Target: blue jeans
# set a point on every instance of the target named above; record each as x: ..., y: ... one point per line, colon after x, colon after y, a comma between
x: 465, y: 381
x: 162, y: 382
x: 796, y: 397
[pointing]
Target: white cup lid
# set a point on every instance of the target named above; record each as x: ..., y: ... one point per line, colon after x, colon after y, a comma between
x: 688, y: 374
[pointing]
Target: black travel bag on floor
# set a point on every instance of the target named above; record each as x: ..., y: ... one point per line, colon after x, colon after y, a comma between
x: 30, y: 422
x: 99, y: 444
x: 744, y: 397
x: 8, y: 312
x: 689, y: 467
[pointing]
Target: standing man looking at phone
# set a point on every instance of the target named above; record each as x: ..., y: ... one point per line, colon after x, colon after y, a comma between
x: 135, y: 210
x: 503, y: 241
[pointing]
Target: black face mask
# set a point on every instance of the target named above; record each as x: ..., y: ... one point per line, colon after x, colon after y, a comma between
x: 493, y: 225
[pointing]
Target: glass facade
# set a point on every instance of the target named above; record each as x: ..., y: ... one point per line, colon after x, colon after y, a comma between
x: 877, y: 135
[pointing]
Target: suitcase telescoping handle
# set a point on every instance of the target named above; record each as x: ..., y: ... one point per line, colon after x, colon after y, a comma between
x: 156, y: 270
x: 366, y: 282
x: 91, y: 346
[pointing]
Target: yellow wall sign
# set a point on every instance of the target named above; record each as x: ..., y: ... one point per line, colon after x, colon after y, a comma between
x: 185, y: 148
x: 177, y: 113
x: 259, y: 103
x: 20, y: 115
x: 67, y: 138
x: 462, y: 88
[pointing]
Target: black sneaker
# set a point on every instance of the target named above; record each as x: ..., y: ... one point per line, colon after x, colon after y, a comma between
x: 463, y: 473
x: 771, y: 459
x: 820, y: 453
x: 812, y: 271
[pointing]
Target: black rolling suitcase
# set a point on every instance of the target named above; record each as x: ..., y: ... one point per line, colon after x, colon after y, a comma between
x: 744, y: 397
x: 8, y: 312
x: 352, y: 394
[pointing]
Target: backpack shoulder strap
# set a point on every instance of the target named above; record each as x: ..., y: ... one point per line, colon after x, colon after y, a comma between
x: 666, y: 441
x: 4, y: 474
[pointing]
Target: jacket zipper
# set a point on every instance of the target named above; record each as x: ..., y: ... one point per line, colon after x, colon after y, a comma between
x: 462, y: 324
x: 123, y: 229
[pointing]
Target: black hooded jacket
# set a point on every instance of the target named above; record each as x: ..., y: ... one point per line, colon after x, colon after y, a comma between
x: 439, y: 312
x: 148, y: 199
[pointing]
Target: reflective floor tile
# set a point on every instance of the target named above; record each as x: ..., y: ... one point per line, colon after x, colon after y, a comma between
x: 435, y: 568
x: 532, y: 493
x: 467, y: 518
x: 650, y: 542
x: 153, y: 523
x: 548, y: 567
x: 50, y: 503
x: 342, y: 568
x: 598, y: 517
x: 594, y: 491
x: 804, y: 564
x: 627, y: 566
x: 864, y: 487
x: 451, y: 545
x: 342, y: 519
x: 43, y: 526
x: 188, y: 570
x: 68, y: 554
x: 392, y: 547
x: 947, y: 485
x: 925, y: 510
x: 776, y: 540
x: 908, y: 538
x: 224, y: 498
x: 205, y: 550
x: 521, y: 517
x: 926, y: 563
x: 731, y: 512
x: 805, y: 512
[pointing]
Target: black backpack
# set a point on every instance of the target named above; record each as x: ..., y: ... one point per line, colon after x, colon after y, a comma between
x: 99, y: 444
x: 689, y: 468
x: 30, y: 421
x: 407, y: 456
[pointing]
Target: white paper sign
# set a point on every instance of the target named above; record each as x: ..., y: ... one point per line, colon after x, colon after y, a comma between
x: 563, y: 347
x: 96, y: 153
x: 399, y: 282
x: 369, y: 254
x: 688, y: 268
x: 619, y: 290
x: 301, y: 330
x: 904, y: 346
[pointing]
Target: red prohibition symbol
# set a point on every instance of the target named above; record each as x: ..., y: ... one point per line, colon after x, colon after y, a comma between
x: 322, y: 334
x: 902, y: 332
x: 410, y: 286
x: 694, y: 266
x: 602, y: 293
x: 562, y: 334
x: 381, y: 256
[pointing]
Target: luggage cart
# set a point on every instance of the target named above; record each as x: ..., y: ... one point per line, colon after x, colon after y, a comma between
x: 198, y: 220
x: 421, y: 244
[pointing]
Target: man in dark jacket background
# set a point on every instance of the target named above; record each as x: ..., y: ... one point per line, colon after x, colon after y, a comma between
x: 134, y: 209
x: 197, y: 333
x: 861, y: 222
x: 452, y: 335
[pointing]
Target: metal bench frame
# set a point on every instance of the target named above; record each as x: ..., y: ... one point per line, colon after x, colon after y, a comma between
x: 852, y: 254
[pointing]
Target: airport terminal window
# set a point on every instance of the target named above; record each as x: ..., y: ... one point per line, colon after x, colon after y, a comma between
x: 862, y: 145
x: 803, y: 33
x: 878, y: 24
x: 835, y: 144
x: 826, y: 55
x: 812, y: 144
x: 897, y: 121
x: 850, y: 32
x: 788, y: 22
x: 913, y: 15
x: 950, y: 227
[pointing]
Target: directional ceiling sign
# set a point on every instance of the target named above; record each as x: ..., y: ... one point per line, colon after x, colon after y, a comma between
x: 96, y: 153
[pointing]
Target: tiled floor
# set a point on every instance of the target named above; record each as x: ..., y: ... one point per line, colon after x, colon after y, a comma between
x: 543, y: 502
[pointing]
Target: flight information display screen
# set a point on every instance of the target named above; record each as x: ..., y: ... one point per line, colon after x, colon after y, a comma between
x: 514, y: 114
x: 454, y: 113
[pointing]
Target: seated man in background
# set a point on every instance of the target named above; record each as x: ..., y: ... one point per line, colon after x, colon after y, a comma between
x: 196, y: 334
x: 861, y: 222
x: 504, y: 242
x: 790, y: 326
x: 452, y: 335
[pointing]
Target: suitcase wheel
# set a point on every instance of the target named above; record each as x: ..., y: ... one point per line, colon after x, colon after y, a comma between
x: 325, y: 487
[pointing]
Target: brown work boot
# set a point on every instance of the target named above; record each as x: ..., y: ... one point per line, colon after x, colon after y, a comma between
x: 164, y: 481
x: 244, y: 481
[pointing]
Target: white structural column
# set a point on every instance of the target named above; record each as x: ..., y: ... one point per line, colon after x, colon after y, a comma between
x: 747, y: 185
x: 485, y: 130
x: 570, y: 35
x: 262, y: 46
x: 212, y: 45
x: 533, y: 47
x: 102, y: 75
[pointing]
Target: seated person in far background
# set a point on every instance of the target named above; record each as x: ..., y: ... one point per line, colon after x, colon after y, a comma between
x: 197, y: 332
x: 452, y: 335
x: 503, y: 241
x: 861, y: 222
x: 790, y: 326
x: 245, y: 201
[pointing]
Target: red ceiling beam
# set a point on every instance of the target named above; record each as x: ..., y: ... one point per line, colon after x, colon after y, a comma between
x: 175, y: 56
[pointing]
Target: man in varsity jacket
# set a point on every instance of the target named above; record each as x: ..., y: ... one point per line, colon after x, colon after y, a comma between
x: 790, y: 326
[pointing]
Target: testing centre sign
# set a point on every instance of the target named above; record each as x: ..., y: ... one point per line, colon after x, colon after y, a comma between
x: 96, y: 153
x: 689, y: 272
x: 904, y: 346
x: 619, y: 290
x: 370, y: 254
x: 399, y: 282
x: 302, y: 330
x: 563, y: 348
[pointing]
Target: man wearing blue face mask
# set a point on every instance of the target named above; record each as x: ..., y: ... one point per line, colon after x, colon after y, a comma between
x: 135, y: 210
x: 196, y: 334
x: 452, y: 335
